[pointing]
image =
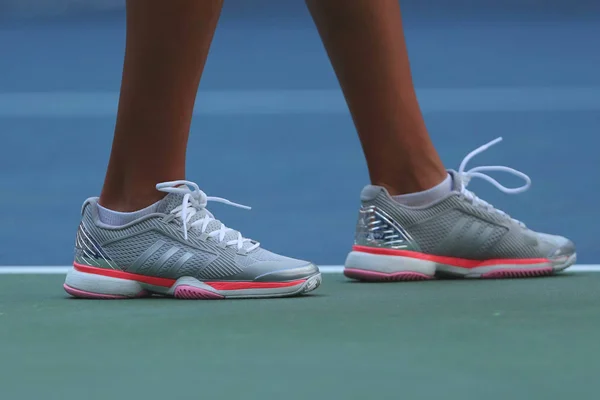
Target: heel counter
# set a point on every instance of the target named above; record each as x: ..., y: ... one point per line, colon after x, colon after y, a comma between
x: 80, y: 251
x: 88, y: 251
x: 376, y: 228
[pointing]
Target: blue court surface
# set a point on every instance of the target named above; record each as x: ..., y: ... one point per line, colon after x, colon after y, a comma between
x: 271, y: 129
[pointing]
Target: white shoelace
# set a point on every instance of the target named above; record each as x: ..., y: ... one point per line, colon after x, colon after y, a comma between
x: 195, y: 200
x: 477, y: 172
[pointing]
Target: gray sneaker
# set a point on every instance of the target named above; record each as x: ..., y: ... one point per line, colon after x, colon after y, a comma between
x: 180, y: 251
x: 459, y: 235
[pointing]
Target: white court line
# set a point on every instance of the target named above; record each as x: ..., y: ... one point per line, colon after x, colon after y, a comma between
x: 325, y: 101
x: 326, y: 269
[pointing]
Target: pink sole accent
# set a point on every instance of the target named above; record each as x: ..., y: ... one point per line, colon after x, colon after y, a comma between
x: 372, y: 276
x: 194, y: 293
x: 89, y: 295
x: 518, y: 273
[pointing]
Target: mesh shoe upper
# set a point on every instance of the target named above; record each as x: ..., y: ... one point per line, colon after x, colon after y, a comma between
x: 156, y: 245
x: 455, y: 227
x: 459, y: 225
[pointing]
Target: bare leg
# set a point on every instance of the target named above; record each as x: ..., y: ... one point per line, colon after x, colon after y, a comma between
x: 366, y: 46
x: 167, y: 46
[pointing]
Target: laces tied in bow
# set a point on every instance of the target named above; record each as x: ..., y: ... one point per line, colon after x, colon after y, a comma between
x: 195, y: 200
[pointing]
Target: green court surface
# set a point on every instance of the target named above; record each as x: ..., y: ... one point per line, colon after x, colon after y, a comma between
x: 505, y: 339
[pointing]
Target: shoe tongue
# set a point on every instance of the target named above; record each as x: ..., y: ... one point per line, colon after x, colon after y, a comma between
x: 170, y: 202
x: 174, y: 200
x: 457, y: 182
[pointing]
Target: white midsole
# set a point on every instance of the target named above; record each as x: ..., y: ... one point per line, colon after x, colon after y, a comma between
x: 393, y: 264
x: 100, y: 284
x: 388, y: 264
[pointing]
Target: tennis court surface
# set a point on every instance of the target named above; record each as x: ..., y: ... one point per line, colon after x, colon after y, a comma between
x: 525, y: 339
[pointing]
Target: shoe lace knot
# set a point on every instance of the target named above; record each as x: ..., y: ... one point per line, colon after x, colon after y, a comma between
x: 195, y: 201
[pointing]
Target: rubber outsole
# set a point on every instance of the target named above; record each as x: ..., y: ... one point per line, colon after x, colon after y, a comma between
x: 370, y: 267
x: 373, y: 276
x: 522, y: 273
x: 188, y: 288
x: 89, y: 295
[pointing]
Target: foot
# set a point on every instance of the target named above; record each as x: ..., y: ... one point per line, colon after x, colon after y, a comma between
x: 459, y: 235
x: 180, y: 251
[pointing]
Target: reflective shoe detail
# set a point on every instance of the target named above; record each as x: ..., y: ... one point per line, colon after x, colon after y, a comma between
x: 376, y: 228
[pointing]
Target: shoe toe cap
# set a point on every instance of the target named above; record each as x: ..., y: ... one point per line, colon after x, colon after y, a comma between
x: 270, y: 267
x: 557, y: 246
x: 566, y: 248
x: 275, y: 272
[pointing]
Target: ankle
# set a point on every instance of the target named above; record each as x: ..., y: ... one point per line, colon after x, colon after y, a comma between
x: 428, y: 196
x: 129, y: 200
x: 119, y: 218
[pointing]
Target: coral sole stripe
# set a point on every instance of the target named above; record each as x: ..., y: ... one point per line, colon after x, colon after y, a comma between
x: 165, y: 282
x: 453, y: 261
